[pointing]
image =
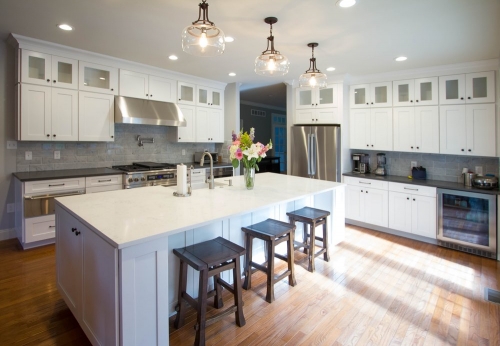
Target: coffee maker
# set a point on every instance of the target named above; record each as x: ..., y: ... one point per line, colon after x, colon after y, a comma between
x: 381, y: 162
x: 361, y: 163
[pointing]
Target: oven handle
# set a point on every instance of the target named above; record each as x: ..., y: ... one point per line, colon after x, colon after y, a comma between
x: 72, y: 193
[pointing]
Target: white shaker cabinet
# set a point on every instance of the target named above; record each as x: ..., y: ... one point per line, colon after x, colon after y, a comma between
x: 208, y: 125
x: 416, y: 129
x: 307, y: 98
x: 185, y: 134
x: 50, y: 70
x: 367, y: 201
x: 98, y: 78
x: 371, y: 95
x: 96, y: 117
x: 371, y: 129
x: 209, y: 97
x: 468, y: 130
x: 143, y: 86
x: 467, y: 88
x: 415, y: 92
x: 48, y: 113
x: 186, y: 93
x: 317, y: 116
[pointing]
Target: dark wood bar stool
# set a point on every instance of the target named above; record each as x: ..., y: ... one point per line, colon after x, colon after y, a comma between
x: 273, y: 232
x: 210, y: 258
x: 311, y: 218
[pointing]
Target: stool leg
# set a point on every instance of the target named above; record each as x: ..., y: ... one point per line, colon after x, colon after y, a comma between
x: 202, y: 309
x: 181, y: 304
x: 218, y: 303
x: 312, y: 250
x: 290, y: 259
x: 270, y: 272
x: 238, y: 301
x: 326, y: 255
x: 248, y: 259
x: 304, y: 236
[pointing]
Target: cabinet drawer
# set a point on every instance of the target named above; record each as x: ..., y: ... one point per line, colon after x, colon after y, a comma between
x: 103, y: 188
x: 413, y: 189
x: 40, y: 228
x: 374, y: 184
x: 41, y: 186
x: 104, y: 180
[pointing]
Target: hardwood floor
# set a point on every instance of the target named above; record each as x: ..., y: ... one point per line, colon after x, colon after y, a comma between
x: 377, y: 289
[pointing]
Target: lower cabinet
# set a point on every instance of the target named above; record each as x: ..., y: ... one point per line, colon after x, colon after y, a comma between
x: 367, y: 204
x: 87, y: 278
x: 412, y: 209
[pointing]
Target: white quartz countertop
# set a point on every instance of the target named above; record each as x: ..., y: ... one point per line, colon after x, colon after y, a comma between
x: 129, y: 217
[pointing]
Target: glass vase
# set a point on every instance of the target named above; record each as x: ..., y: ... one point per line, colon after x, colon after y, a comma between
x: 249, y: 177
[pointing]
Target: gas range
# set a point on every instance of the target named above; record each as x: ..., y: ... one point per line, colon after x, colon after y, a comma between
x: 141, y: 174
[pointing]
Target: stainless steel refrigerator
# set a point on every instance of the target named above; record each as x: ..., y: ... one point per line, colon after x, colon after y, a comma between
x: 316, y: 152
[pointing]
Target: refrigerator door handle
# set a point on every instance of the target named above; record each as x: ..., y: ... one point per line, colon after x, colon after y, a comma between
x: 309, y: 148
x: 313, y: 153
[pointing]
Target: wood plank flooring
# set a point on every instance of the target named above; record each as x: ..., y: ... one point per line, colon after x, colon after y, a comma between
x: 377, y: 289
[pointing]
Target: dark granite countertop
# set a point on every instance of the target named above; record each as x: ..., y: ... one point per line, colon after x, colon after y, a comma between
x: 65, y: 173
x: 433, y: 183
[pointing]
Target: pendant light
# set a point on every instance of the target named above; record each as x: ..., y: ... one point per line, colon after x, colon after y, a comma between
x: 312, y: 77
x: 202, y: 37
x: 271, y: 62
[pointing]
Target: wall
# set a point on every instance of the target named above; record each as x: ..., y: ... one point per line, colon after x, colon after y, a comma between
x: 438, y: 166
x: 7, y: 157
x: 262, y: 125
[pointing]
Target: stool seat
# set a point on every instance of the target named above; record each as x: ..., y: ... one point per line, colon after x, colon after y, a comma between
x: 210, y: 258
x: 272, y: 232
x: 311, y: 218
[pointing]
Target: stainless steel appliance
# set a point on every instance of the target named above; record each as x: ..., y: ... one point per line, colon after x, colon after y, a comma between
x: 361, y: 163
x: 129, y: 110
x: 467, y: 221
x: 38, y: 205
x: 316, y: 152
x: 141, y: 174
x: 380, y: 164
x: 485, y: 182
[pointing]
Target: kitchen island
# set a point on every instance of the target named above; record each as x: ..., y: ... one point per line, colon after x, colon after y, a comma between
x: 115, y: 267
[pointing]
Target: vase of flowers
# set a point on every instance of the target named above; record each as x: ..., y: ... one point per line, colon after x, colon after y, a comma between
x: 244, y: 150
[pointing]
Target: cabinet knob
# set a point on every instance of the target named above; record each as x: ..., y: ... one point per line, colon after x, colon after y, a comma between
x: 416, y: 100
x: 372, y: 145
x: 470, y: 150
x: 312, y: 104
x: 48, y: 135
x: 461, y: 98
x: 53, y: 135
x: 361, y: 190
x: 77, y: 233
x: 367, y: 103
x: 368, y: 145
x: 463, y: 150
x: 366, y: 191
x: 316, y: 104
x: 468, y: 98
x: 408, y: 198
x: 151, y: 95
x: 112, y: 136
x: 147, y: 94
x: 73, y: 229
x: 179, y: 99
x: 418, y: 147
x: 372, y: 102
x: 54, y: 81
x: 48, y: 80
x: 179, y: 137
x: 412, y: 147
x: 411, y: 101
x: 111, y: 89
x: 414, y: 199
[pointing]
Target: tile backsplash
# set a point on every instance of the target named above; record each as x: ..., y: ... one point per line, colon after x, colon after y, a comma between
x: 124, y: 150
x: 438, y: 166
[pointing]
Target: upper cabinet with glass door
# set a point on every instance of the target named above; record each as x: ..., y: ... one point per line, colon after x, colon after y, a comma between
x: 317, y: 98
x: 98, y: 78
x: 45, y: 69
x: 415, y: 92
x: 371, y: 95
x: 476, y: 87
x: 209, y: 97
x: 186, y: 93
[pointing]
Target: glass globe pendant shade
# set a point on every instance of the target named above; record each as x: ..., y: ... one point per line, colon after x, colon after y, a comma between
x: 313, y: 77
x: 202, y: 37
x: 271, y: 62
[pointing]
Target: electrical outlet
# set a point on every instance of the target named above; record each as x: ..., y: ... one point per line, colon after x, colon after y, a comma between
x: 11, y: 145
x: 57, y: 155
x: 28, y: 155
x: 10, y: 208
x: 413, y: 164
x: 183, y: 151
x: 479, y: 170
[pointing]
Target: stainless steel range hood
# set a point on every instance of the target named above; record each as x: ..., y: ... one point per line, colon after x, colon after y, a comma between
x: 129, y: 110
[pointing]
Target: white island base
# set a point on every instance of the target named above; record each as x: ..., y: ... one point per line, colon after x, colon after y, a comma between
x: 115, y: 266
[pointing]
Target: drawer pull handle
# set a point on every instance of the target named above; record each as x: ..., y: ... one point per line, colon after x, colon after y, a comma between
x: 362, y: 182
x: 102, y: 181
x: 57, y: 185
x: 52, y: 226
x: 407, y: 188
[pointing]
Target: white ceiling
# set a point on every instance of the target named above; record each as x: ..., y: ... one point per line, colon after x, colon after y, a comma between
x: 360, y: 40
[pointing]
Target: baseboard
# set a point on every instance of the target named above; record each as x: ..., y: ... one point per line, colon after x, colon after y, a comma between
x: 7, y: 234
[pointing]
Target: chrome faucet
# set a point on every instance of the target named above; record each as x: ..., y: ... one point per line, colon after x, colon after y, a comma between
x: 211, y: 177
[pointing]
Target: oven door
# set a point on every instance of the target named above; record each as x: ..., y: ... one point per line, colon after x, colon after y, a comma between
x: 40, y: 205
x: 467, y: 222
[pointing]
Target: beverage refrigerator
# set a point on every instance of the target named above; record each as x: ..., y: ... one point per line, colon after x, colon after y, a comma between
x: 315, y: 152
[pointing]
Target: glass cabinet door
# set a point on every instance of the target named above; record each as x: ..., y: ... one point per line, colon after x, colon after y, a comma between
x: 216, y: 98
x: 426, y: 91
x: 480, y: 87
x: 64, y: 72
x: 403, y: 93
x: 327, y: 97
x: 35, y: 67
x: 304, y: 98
x: 381, y: 94
x: 202, y: 97
x: 186, y: 93
x: 98, y: 78
x: 359, y: 96
x: 452, y: 90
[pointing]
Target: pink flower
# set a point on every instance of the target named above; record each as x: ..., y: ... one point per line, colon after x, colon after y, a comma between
x: 238, y: 154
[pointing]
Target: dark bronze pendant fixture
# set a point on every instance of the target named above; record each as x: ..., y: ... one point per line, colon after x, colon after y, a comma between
x: 271, y: 62
x: 312, y: 77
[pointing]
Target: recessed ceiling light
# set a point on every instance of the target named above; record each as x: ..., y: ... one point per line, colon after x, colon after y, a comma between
x: 228, y: 39
x: 330, y: 69
x: 65, y: 27
x: 232, y: 74
x: 102, y: 78
x: 401, y: 58
x: 346, y: 3
x: 173, y: 57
